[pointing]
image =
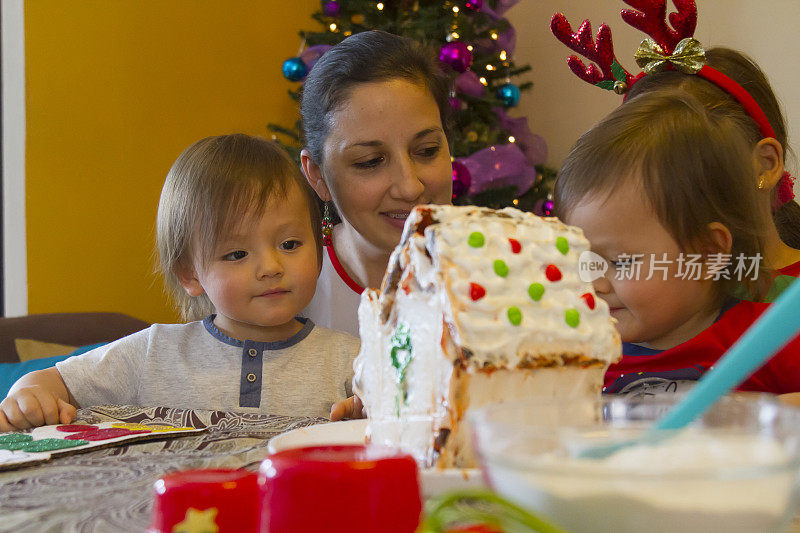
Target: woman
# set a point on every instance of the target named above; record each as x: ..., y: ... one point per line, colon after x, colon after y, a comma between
x: 374, y: 111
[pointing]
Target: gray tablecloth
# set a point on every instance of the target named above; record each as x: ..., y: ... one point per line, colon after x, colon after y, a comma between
x: 110, y: 489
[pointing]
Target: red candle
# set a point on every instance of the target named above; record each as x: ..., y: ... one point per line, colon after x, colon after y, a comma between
x: 206, y: 500
x: 339, y: 488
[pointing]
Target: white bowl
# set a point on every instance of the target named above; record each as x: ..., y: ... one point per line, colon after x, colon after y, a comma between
x: 736, y: 469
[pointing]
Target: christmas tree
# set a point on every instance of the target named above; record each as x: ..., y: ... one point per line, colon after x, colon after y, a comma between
x: 497, y: 160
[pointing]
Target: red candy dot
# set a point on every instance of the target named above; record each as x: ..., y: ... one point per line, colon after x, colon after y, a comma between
x: 516, y: 247
x: 552, y: 272
x: 589, y: 298
x: 476, y: 292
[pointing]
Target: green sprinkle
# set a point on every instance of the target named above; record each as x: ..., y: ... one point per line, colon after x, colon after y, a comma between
x: 15, y: 437
x: 536, y: 291
x: 514, y: 315
x: 476, y: 239
x: 500, y: 268
x: 572, y: 317
x: 562, y: 244
x: 13, y: 446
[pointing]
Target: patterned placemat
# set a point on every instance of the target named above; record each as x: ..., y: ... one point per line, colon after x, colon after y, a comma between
x: 111, y: 489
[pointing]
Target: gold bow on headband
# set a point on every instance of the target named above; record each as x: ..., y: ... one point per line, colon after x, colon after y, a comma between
x: 688, y: 57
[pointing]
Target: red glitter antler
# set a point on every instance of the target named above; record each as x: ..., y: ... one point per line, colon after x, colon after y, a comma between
x: 601, y: 51
x: 652, y: 20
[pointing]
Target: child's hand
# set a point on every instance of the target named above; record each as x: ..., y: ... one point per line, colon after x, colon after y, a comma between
x: 33, y: 406
x: 349, y: 408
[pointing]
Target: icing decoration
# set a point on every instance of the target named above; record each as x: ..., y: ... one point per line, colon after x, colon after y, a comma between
x: 476, y: 292
x: 72, y: 428
x: 476, y: 239
x: 552, y: 272
x: 516, y: 247
x: 514, y: 315
x: 562, y: 244
x: 536, y: 291
x: 104, y: 434
x: 572, y: 317
x: 15, y: 437
x: 589, y: 299
x: 401, y: 354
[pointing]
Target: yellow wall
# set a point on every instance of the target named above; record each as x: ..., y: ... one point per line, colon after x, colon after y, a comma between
x: 115, y: 91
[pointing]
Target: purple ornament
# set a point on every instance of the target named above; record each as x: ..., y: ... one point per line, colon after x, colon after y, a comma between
x: 469, y: 84
x: 548, y: 207
x: 456, y: 55
x: 332, y: 8
x: 461, y: 179
x: 498, y: 12
x: 533, y: 146
x: 499, y: 166
x: 455, y: 104
x: 474, y: 5
x: 312, y: 54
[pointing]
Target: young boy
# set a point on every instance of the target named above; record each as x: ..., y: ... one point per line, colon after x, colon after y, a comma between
x: 240, y: 248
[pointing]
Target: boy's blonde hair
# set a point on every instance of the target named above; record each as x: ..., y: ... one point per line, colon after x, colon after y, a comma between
x: 215, y: 185
x: 695, y: 164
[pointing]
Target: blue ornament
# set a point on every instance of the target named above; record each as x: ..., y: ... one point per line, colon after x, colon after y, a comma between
x: 294, y: 69
x: 508, y: 93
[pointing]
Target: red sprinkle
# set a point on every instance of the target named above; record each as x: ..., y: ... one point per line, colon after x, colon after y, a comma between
x: 72, y: 428
x: 476, y: 292
x: 589, y: 298
x: 516, y: 247
x: 552, y: 272
x: 103, y: 434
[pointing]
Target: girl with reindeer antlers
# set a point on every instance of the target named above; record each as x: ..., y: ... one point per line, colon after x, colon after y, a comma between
x: 682, y: 190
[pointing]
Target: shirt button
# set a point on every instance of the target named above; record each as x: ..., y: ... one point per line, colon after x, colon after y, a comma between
x: 252, y: 352
x: 251, y: 377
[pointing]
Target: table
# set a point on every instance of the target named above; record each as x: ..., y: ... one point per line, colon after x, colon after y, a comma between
x: 110, y: 489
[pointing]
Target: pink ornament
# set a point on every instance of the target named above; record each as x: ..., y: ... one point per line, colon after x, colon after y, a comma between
x: 457, y: 55
x: 455, y: 104
x: 461, y: 179
x: 474, y: 5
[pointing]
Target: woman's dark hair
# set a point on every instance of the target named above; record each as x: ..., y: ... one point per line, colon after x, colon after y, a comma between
x: 371, y: 56
x: 744, y: 71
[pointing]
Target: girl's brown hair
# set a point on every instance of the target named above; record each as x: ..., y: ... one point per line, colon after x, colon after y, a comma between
x: 210, y: 188
x: 744, y: 71
x: 695, y: 165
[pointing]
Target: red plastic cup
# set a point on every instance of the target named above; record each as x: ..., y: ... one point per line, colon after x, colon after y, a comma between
x: 202, y: 500
x: 350, y: 489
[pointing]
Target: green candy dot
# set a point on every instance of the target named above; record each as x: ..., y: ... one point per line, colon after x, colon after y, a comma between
x: 572, y: 317
x: 500, y: 268
x: 476, y: 239
x: 562, y: 244
x: 535, y: 291
x: 514, y: 315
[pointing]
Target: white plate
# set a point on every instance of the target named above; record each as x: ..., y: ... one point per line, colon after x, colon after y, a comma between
x: 434, y: 481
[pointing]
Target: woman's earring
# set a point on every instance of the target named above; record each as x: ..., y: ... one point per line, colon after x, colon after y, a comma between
x: 327, y: 225
x: 761, y: 184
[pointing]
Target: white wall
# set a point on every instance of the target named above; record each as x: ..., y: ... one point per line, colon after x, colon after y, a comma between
x: 560, y: 106
x: 14, y: 268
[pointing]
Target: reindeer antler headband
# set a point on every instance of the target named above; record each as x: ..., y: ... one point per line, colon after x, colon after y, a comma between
x: 665, y: 48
